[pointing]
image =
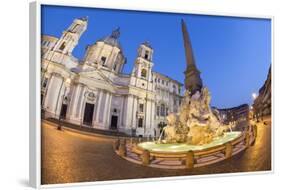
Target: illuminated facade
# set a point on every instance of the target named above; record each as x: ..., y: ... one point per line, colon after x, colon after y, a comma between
x: 94, y: 91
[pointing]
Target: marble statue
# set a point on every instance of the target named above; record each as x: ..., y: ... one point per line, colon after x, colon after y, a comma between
x: 195, y: 123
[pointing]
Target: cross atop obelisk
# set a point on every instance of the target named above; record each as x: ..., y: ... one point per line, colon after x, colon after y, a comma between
x: 192, y: 81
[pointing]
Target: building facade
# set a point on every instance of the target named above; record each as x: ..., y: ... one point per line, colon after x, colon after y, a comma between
x: 234, y: 115
x: 94, y: 91
x: 262, y: 104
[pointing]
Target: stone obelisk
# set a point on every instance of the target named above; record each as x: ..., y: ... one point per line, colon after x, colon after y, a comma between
x: 192, y: 81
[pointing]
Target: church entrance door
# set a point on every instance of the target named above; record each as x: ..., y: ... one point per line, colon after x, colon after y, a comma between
x: 63, y: 111
x: 88, y: 114
x: 114, y: 120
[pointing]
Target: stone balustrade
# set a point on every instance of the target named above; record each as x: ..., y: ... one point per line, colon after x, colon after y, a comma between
x: 128, y: 149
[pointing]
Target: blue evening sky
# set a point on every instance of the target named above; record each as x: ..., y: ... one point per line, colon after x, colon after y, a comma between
x: 233, y: 54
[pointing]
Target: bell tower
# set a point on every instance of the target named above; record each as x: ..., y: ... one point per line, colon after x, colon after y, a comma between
x: 143, y: 64
x: 71, y: 36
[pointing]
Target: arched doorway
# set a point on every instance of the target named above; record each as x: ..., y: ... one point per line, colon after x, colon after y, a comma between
x: 114, y: 119
x: 88, y: 114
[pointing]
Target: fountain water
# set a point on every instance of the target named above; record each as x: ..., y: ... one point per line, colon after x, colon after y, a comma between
x: 160, y: 137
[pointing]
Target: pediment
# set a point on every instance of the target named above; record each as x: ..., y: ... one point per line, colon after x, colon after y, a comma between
x: 95, y: 75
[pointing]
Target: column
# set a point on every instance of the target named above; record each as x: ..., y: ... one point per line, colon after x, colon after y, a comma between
x: 120, y: 119
x: 124, y: 111
x: 153, y: 112
x: 105, y: 108
x: 129, y: 111
x: 97, y: 107
x: 109, y: 109
x: 73, y: 100
x: 80, y: 103
x: 48, y: 89
x: 98, y: 110
x: 134, y: 110
x: 63, y: 89
x: 53, y: 94
x: 102, y: 107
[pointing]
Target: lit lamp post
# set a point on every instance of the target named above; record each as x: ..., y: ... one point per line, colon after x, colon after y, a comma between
x: 254, y: 96
x: 67, y: 83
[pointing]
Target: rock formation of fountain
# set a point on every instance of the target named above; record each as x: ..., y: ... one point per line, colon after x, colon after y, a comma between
x: 195, y: 123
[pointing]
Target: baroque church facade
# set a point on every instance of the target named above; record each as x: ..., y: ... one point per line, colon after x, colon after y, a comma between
x: 94, y: 91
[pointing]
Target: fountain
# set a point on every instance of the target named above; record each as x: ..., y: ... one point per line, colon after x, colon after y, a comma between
x: 194, y: 132
x: 195, y: 127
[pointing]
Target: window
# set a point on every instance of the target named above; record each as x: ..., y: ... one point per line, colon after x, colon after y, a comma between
x: 155, y: 79
x: 146, y: 54
x: 143, y: 73
x: 62, y: 46
x: 114, y: 67
x: 75, y: 28
x: 167, y: 83
x: 163, y: 82
x: 140, y: 122
x: 162, y: 110
x: 141, y: 107
x: 167, y: 111
x: 174, y: 88
x: 45, y: 82
x: 158, y: 80
x: 158, y: 111
x: 103, y: 60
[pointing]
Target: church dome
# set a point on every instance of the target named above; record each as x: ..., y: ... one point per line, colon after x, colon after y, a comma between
x: 113, y: 39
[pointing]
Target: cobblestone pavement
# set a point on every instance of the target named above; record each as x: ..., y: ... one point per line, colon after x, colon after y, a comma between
x: 69, y: 156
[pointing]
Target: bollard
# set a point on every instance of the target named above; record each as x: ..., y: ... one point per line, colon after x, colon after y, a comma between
x: 122, y: 148
x: 189, y: 159
x: 116, y: 144
x: 145, y: 157
x: 228, y: 150
x: 247, y: 139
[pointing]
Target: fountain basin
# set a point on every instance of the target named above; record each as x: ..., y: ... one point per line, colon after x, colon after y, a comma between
x: 183, y: 147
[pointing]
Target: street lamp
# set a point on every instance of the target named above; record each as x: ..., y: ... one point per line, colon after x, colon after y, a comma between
x: 254, y: 96
x: 67, y: 84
